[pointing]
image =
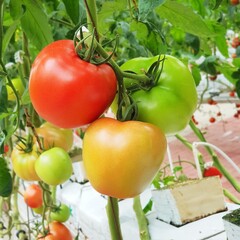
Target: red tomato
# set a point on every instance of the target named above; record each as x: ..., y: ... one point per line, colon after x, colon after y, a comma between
x: 33, y: 196
x: 211, y: 171
x: 57, y: 231
x: 67, y: 91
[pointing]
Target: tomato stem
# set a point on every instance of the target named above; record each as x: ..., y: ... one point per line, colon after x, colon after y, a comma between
x: 141, y: 218
x: 92, y: 16
x: 113, y: 218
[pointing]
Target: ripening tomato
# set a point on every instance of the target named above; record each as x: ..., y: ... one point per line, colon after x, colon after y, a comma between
x: 57, y: 231
x: 33, y: 196
x: 171, y: 101
x: 122, y: 158
x: 24, y: 162
x: 67, y: 91
x: 53, y: 136
x: 54, y: 166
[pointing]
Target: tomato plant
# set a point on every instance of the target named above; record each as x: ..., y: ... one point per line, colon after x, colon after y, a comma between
x: 61, y: 213
x: 33, y: 196
x: 54, y: 166
x: 53, y: 136
x: 57, y: 231
x: 171, y: 102
x: 75, y: 92
x: 23, y: 162
x: 122, y: 158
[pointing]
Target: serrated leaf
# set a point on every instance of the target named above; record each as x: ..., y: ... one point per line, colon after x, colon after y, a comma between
x: 185, y: 18
x: 6, y: 183
x: 146, y: 7
x: 72, y: 8
x: 35, y: 24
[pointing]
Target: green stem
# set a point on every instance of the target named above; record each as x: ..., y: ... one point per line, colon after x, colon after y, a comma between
x: 141, y: 218
x: 231, y: 197
x: 113, y: 218
x: 1, y: 26
x: 92, y: 16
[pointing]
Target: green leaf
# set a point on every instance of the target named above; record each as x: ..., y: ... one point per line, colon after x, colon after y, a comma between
x: 8, y: 35
x: 196, y: 75
x: 35, y: 24
x: 105, y: 16
x: 209, y: 65
x: 16, y: 9
x: 6, y: 183
x: 72, y: 8
x: 146, y: 7
x: 148, y: 37
x: 185, y: 18
x: 148, y: 207
x: 238, y: 88
x: 217, y: 4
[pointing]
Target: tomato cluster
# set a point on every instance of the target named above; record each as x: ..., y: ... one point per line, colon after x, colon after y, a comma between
x: 121, y: 158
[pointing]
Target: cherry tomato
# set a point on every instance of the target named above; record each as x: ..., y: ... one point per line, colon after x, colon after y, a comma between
x: 211, y: 171
x: 57, y: 231
x: 122, y: 158
x: 61, y: 213
x: 33, y: 196
x: 67, y: 91
x: 54, y: 166
x: 24, y: 163
x: 171, y: 101
x: 53, y: 136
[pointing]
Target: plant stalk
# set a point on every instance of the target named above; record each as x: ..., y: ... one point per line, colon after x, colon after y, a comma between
x: 141, y: 218
x: 113, y: 218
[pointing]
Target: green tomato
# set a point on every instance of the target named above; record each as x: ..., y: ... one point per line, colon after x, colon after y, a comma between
x: 61, y: 213
x: 17, y: 83
x: 54, y: 166
x: 171, y: 102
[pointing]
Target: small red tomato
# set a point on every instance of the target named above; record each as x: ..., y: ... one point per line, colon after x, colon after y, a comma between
x: 212, y: 119
x: 211, y: 171
x: 232, y: 94
x: 33, y: 196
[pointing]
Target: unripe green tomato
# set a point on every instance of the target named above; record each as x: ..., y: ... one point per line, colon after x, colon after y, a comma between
x: 61, y: 214
x: 54, y: 166
x: 171, y: 102
x: 17, y: 83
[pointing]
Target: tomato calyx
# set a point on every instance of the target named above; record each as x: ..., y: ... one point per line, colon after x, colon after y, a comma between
x: 86, y: 45
x: 25, y: 144
x: 152, y: 77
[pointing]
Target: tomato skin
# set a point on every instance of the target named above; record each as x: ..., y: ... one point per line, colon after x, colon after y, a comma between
x: 67, y: 91
x: 33, y: 196
x: 57, y: 231
x: 61, y: 214
x: 24, y: 163
x: 54, y: 166
x: 122, y: 158
x: 171, y: 103
x: 53, y: 136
